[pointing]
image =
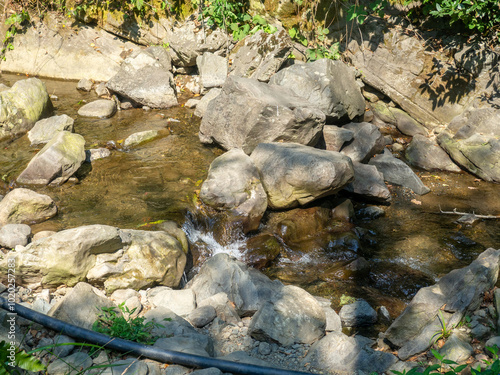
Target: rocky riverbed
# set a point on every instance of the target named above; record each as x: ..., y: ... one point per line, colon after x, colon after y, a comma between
x: 335, y: 205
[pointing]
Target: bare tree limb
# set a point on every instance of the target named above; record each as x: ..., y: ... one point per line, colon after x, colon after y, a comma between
x: 455, y: 212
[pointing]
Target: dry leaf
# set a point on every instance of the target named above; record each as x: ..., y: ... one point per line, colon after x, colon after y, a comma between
x: 414, y: 201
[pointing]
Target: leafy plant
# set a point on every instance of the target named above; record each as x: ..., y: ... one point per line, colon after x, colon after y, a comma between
x: 444, y: 332
x: 322, y: 52
x: 346, y: 300
x: 14, y: 22
x: 115, y: 324
x: 20, y: 359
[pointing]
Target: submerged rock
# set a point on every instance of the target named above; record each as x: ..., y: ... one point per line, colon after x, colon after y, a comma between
x: 397, y: 172
x: 57, y: 161
x: 233, y: 185
x: 140, y: 137
x: 241, y: 115
x: 331, y: 85
x: 24, y: 206
x: 101, y: 108
x: 261, y: 55
x: 293, y: 174
x: 45, y: 129
x: 21, y: 106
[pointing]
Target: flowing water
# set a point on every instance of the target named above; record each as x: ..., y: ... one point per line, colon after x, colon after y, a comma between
x: 408, y: 248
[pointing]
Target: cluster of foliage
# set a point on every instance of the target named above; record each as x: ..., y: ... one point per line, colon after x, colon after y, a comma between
x: 115, y: 324
x: 22, y: 360
x: 478, y: 16
x: 232, y: 16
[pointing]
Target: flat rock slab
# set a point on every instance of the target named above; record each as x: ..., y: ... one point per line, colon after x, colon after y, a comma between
x: 182, y: 302
x: 426, y: 154
x: 241, y: 115
x: 397, y: 172
x: 57, y: 53
x: 57, y: 161
x: 331, y: 85
x: 21, y: 106
x: 45, y: 129
x: 101, y: 108
x: 293, y: 174
x: 24, y: 206
x: 458, y: 292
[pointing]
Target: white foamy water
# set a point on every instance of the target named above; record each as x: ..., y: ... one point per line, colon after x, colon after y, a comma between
x: 236, y: 248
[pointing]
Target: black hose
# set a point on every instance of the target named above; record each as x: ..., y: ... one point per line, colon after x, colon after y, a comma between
x: 151, y: 352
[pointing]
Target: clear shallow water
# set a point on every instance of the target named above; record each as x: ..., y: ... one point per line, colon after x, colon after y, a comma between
x: 410, y: 247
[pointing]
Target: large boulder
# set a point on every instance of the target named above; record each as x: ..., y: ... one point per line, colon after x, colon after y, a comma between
x: 248, y: 112
x: 148, y: 259
x: 246, y: 287
x: 233, y: 185
x: 21, y: 106
x: 347, y: 355
x: 292, y: 316
x: 331, y: 85
x: 473, y: 142
x: 397, y: 172
x: 335, y: 137
x: 446, y: 302
x: 64, y: 257
x: 261, y: 55
x: 24, y: 206
x: 369, y: 183
x: 367, y: 142
x: 45, y: 129
x: 426, y: 154
x: 57, y: 161
x: 146, y: 79
x: 293, y: 174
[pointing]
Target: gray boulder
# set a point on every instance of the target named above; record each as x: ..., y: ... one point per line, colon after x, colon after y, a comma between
x: 65, y: 257
x: 369, y: 183
x: 81, y: 306
x: 45, y: 129
x: 24, y: 206
x: 186, y: 44
x: 246, y: 287
x: 458, y: 293
x: 241, y: 116
x: 21, y: 106
x: 473, y: 142
x: 292, y: 316
x: 457, y: 347
x: 335, y: 137
x: 347, y: 355
x: 202, y: 105
x: 201, y: 316
x: 101, y: 108
x: 57, y: 161
x: 293, y: 174
x: 367, y: 142
x: 148, y: 259
x: 397, y: 172
x: 426, y: 154
x: 212, y: 69
x: 261, y: 55
x: 233, y: 185
x: 358, y: 313
x: 331, y: 85
x: 12, y: 235
x: 146, y: 79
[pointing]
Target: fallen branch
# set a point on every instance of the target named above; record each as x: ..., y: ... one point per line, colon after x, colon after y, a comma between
x: 455, y: 212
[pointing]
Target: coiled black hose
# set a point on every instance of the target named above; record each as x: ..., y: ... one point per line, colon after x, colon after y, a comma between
x: 151, y: 352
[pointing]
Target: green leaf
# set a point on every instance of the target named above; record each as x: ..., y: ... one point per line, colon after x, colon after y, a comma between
x: 436, y: 354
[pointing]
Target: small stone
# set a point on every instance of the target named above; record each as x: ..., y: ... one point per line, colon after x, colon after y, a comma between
x: 12, y: 235
x: 356, y: 314
x: 264, y: 348
x: 84, y: 85
x: 101, y: 108
x: 396, y: 147
x: 140, y: 137
x: 96, y: 153
x: 192, y: 103
x: 101, y: 90
x: 480, y: 331
x: 371, y: 213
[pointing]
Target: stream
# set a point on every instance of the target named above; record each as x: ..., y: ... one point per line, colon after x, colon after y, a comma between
x: 409, y: 247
